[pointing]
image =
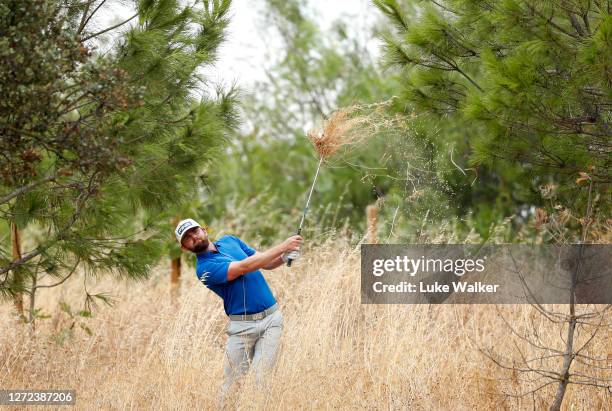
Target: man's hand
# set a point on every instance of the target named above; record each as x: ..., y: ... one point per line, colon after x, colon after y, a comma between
x: 293, y: 243
x: 293, y: 249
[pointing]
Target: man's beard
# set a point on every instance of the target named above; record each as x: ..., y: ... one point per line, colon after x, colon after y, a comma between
x: 200, y: 247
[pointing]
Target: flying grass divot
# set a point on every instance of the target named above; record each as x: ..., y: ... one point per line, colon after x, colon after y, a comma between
x: 341, y: 129
x: 345, y: 128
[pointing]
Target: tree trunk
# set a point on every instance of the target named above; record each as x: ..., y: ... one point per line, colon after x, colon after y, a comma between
x: 176, y: 270
x: 372, y: 216
x: 16, y: 243
x: 175, y: 264
x: 175, y: 275
x: 568, y: 355
x: 32, y: 320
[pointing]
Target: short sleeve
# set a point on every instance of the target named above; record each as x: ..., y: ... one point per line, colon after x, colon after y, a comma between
x: 213, y: 273
x: 248, y: 250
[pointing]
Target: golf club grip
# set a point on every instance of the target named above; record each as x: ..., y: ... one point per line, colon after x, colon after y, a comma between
x: 289, y: 260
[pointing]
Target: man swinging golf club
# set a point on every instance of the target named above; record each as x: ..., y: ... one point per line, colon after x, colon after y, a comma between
x: 230, y: 268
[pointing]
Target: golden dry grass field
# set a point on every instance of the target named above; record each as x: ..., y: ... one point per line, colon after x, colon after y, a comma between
x: 149, y: 353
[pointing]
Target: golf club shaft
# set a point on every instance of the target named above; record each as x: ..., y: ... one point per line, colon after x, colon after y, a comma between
x: 314, y: 180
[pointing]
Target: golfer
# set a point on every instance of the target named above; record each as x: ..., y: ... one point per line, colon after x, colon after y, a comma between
x: 230, y: 268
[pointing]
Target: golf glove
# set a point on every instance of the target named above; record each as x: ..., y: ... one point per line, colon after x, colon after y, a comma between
x: 293, y: 255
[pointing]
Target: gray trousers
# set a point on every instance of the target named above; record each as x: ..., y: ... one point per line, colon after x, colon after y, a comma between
x: 251, y: 345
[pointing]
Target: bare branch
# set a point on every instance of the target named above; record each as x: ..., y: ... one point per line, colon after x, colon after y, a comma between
x: 62, y: 281
x: 109, y: 28
x: 84, y: 22
x: 530, y: 392
x: 590, y: 377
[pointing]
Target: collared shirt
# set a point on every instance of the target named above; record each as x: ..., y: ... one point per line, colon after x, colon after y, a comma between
x: 247, y: 294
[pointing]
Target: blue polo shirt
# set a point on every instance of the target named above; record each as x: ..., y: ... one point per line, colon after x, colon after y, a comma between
x: 247, y: 294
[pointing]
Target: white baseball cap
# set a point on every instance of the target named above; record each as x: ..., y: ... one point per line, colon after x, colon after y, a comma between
x: 183, y: 226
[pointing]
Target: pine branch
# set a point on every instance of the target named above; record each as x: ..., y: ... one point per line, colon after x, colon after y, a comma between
x: 60, y: 236
x: 84, y: 23
x: 109, y: 28
x: 549, y: 21
x: 576, y: 25
x: 35, y: 287
x: 443, y: 7
x: 456, y: 68
x: 393, y: 10
x: 24, y: 189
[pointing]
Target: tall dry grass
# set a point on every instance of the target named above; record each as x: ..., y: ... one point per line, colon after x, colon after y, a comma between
x: 150, y: 353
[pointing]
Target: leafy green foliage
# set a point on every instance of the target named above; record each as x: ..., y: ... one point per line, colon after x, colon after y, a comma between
x: 516, y: 88
x: 261, y: 183
x: 99, y: 152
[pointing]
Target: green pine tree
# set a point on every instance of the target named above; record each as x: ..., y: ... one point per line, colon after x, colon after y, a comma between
x: 521, y: 91
x: 99, y: 151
